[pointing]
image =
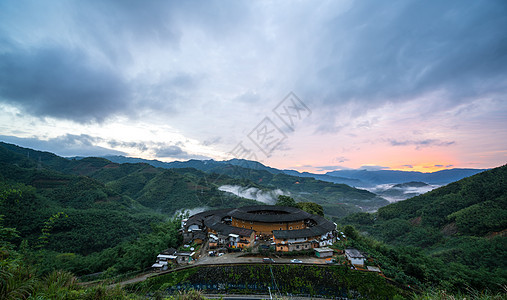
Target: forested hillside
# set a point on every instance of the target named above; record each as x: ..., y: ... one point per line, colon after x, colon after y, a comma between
x: 337, y: 199
x: 164, y: 191
x: 90, y: 215
x: 461, y: 229
x: 183, y: 186
x: 83, y: 208
x: 95, y: 217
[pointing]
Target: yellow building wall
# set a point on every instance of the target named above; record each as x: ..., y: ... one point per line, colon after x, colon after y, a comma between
x: 249, y: 241
x: 267, y: 228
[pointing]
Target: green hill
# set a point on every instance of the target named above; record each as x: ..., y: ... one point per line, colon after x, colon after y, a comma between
x: 338, y: 200
x: 459, y: 229
x: 168, y: 190
x: 66, y: 220
x: 90, y: 215
x: 475, y: 205
x: 96, y: 216
x: 104, y: 203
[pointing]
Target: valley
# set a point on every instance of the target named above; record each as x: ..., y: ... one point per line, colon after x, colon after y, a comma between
x: 92, y: 215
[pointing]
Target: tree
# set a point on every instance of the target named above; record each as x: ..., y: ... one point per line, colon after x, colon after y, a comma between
x: 350, y: 232
x: 16, y: 279
x: 286, y: 201
x: 312, y: 208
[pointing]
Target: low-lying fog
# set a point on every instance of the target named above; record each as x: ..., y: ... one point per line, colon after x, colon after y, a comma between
x: 395, y: 192
x: 268, y: 197
x: 191, y: 211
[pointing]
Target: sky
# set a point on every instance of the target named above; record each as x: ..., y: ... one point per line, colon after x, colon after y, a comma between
x: 308, y: 85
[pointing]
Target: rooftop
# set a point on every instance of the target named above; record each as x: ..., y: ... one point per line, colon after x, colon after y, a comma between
x: 263, y: 213
x: 353, y: 253
x: 269, y: 214
x: 322, y: 226
x: 323, y: 249
x: 215, y: 223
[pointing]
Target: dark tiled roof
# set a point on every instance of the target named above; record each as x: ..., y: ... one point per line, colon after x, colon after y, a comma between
x: 323, y: 226
x: 354, y: 253
x: 198, y: 218
x: 200, y: 235
x: 262, y: 213
x: 269, y: 214
x: 169, y: 251
x: 215, y: 223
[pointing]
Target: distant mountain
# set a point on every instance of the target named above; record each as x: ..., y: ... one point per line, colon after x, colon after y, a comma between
x: 355, y: 178
x: 392, y: 176
x: 389, y: 184
x: 411, y: 184
x: 331, y: 192
x: 203, y: 165
x: 196, y: 183
x: 119, y: 159
x: 328, y: 178
x: 105, y: 202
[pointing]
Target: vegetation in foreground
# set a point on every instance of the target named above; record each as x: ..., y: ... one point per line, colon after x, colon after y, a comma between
x: 331, y: 281
x: 20, y: 278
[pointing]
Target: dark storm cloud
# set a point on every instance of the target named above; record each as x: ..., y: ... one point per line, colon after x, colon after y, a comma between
x: 66, y: 145
x: 373, y: 168
x: 170, y: 151
x: 161, y: 20
x: 174, y: 151
x: 421, y: 143
x: 70, y: 145
x: 328, y: 168
x: 131, y: 19
x: 377, y: 53
x: 212, y: 141
x: 61, y: 83
x: 136, y: 145
x: 93, y: 59
x: 75, y: 140
x: 78, y: 71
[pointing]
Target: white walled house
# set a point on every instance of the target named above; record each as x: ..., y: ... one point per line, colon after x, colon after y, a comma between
x: 355, y: 256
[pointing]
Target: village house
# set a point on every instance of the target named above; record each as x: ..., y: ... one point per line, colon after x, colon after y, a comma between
x: 355, y: 256
x: 290, y: 228
x: 171, y: 256
x: 323, y: 252
x: 164, y: 259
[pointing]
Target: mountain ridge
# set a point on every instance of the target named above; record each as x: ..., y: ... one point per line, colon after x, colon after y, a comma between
x: 395, y: 176
x: 338, y: 200
x: 359, y: 177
